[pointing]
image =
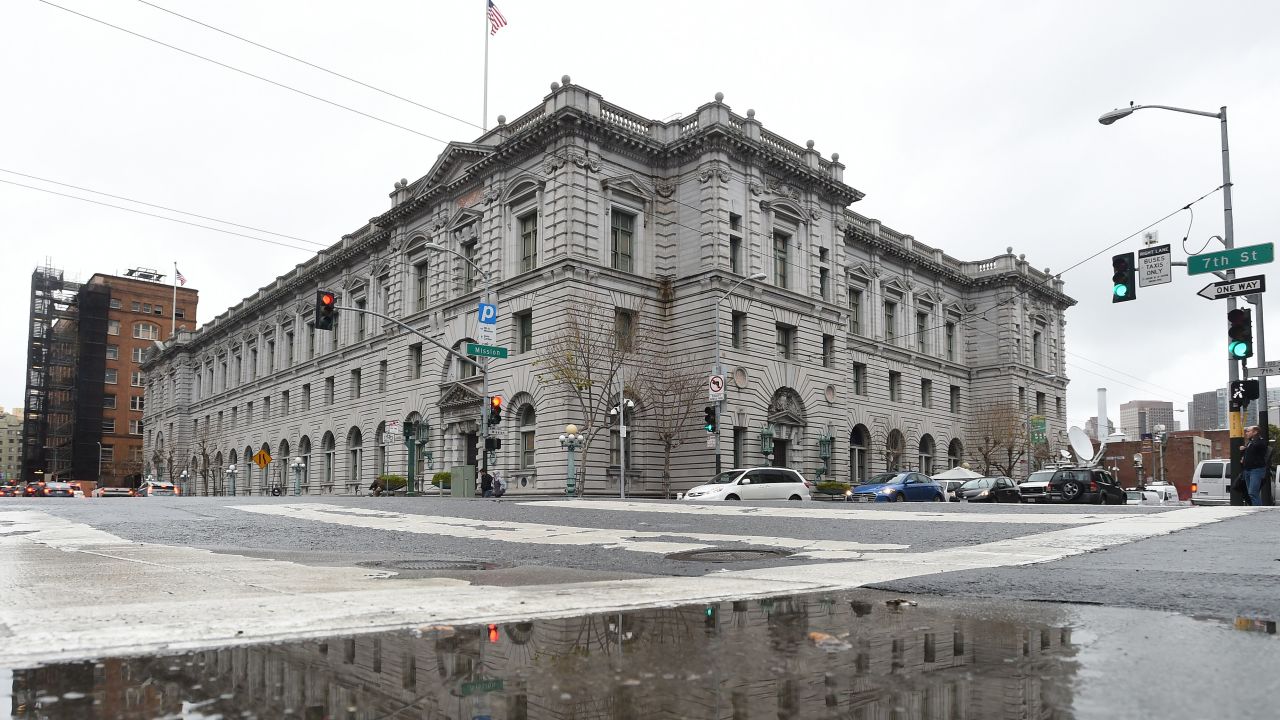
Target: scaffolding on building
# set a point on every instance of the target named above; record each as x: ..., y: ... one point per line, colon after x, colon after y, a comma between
x: 49, y: 412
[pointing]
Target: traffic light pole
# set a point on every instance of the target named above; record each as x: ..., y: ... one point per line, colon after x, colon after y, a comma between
x: 1264, y: 415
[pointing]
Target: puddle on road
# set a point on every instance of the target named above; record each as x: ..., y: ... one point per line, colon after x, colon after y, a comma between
x: 855, y: 655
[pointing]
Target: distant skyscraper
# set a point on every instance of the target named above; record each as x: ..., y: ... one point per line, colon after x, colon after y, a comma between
x: 1091, y: 428
x: 1139, y: 417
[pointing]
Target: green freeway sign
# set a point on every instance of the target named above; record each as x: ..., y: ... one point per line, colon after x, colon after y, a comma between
x: 486, y: 351
x: 481, y: 686
x: 1228, y: 259
x: 1038, y: 430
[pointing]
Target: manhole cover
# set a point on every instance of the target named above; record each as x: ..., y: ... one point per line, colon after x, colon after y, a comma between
x: 727, y: 555
x: 429, y: 564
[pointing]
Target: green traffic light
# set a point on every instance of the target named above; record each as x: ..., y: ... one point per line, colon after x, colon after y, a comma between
x: 1238, y: 349
x: 709, y: 427
x: 1120, y: 290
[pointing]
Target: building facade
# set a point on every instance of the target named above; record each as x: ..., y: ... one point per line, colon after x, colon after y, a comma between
x: 1142, y: 417
x: 10, y: 445
x: 847, y: 347
x: 1211, y: 410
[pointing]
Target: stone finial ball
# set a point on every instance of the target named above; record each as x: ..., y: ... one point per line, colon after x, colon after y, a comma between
x: 404, y: 182
x: 719, y: 97
x: 835, y: 157
x: 751, y: 113
x: 564, y: 79
x: 808, y: 144
x: 555, y: 86
x: 1009, y: 250
x: 502, y: 119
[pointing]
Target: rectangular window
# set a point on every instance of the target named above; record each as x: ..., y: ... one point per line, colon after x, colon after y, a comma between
x: 735, y: 255
x: 271, y: 356
x: 116, y: 304
x: 284, y: 404
x: 528, y: 242
x: 735, y: 221
x: 113, y: 376
x: 239, y: 369
x: 248, y: 412
x: 784, y: 341
x: 1022, y: 398
x: 113, y: 352
x: 855, y: 311
x: 828, y: 351
x: 253, y: 363
x: 355, y: 384
x: 362, y: 320
x: 135, y: 354
x: 311, y: 340
x: 824, y: 283
x: 926, y: 393
x: 1037, y: 349
x: 468, y: 266
x: 328, y: 390
x: 113, y: 327
x: 306, y: 397
x: 951, y: 340
x: 922, y: 332
x: 288, y: 349
x: 624, y: 328
x: 895, y: 386
x: 146, y: 308
x: 415, y: 361
x: 266, y: 408
x: 159, y: 309
x: 108, y: 453
x: 108, y: 426
x: 890, y: 329
x: 524, y: 331
x: 1039, y: 403
x: 109, y: 402
x: 135, y: 306
x: 780, y: 256
x: 739, y: 446
x: 622, y: 240
x: 955, y: 398
x: 136, y: 402
x: 180, y: 314
x: 738, y: 330
x: 135, y: 378
x: 1061, y: 416
x: 421, y: 286
x: 146, y: 331
x: 527, y: 450
x: 859, y: 379
x: 382, y: 376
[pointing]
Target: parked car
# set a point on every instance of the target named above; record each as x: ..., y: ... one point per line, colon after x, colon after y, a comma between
x: 1164, y: 491
x: 767, y: 483
x: 114, y: 492
x: 897, y: 487
x: 1141, y: 497
x: 155, y: 488
x: 949, y: 488
x: 990, y: 489
x: 35, y: 489
x: 1073, y: 485
x: 10, y: 491
x: 58, y: 489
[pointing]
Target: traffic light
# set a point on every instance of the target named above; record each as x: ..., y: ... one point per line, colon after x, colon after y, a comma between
x: 495, y: 409
x: 709, y: 418
x: 1123, y: 285
x: 1240, y: 333
x: 326, y: 309
x: 1242, y: 392
x: 493, y: 443
x: 493, y: 633
x: 709, y: 619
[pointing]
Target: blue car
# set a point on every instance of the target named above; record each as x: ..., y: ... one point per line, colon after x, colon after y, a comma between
x: 897, y: 487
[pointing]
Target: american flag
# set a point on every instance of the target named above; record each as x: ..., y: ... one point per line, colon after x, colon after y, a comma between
x: 182, y: 279
x: 496, y: 21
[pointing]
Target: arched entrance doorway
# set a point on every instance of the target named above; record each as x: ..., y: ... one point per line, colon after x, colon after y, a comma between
x: 786, y: 420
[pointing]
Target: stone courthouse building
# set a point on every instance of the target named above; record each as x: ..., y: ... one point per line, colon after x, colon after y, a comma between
x: 848, y: 347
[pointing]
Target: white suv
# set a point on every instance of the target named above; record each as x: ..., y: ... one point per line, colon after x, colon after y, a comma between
x: 767, y: 483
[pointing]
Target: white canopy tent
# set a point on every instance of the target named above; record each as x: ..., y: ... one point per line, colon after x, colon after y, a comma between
x: 956, y: 473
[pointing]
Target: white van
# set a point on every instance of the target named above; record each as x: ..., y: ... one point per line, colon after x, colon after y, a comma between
x: 1209, y: 485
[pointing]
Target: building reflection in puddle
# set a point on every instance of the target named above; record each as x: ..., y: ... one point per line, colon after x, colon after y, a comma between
x: 860, y: 655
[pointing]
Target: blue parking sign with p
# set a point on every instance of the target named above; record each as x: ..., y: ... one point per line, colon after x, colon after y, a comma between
x: 488, y: 314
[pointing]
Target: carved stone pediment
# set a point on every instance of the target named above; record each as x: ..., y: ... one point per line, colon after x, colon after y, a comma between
x: 786, y: 408
x: 457, y: 396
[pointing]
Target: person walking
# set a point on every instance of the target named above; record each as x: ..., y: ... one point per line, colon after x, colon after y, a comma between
x: 1253, y: 462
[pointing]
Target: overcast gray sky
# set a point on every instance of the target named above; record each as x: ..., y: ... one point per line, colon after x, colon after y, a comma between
x: 970, y: 125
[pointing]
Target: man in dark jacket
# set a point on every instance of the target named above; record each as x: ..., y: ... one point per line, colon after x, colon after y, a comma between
x: 486, y: 485
x: 1253, y: 461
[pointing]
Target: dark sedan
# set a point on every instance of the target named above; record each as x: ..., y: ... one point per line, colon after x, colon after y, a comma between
x: 990, y: 489
x: 10, y: 491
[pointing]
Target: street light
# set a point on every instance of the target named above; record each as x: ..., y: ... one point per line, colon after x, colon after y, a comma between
x: 620, y: 412
x: 184, y: 477
x: 570, y: 440
x: 297, y: 466
x: 718, y: 370
x: 1228, y: 242
x: 483, y: 363
x: 231, y: 475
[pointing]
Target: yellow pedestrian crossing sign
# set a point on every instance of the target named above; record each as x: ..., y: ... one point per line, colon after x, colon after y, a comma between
x: 262, y: 459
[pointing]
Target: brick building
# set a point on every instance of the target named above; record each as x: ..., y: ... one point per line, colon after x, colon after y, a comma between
x: 1181, y: 452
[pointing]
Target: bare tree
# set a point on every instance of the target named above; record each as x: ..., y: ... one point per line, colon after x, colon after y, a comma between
x: 204, y: 449
x: 594, y: 349
x: 671, y: 388
x: 999, y: 438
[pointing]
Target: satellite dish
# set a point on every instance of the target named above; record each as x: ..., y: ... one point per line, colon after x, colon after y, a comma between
x: 1080, y: 444
x: 1065, y: 455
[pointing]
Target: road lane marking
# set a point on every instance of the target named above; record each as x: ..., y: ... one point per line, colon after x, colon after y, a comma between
x: 195, y: 599
x: 645, y: 541
x: 927, y: 513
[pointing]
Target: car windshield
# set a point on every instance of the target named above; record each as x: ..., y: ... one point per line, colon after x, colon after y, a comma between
x: 1133, y: 494
x: 725, y: 478
x: 978, y: 483
x: 886, y: 477
x: 1041, y: 476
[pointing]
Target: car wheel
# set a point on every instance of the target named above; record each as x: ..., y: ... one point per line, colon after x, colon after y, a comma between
x: 938, y: 498
x: 899, y: 497
x: 1072, y: 491
x: 732, y: 497
x: 795, y: 497
x: 1102, y: 498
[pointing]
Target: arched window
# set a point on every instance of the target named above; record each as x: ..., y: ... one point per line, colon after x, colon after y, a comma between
x: 232, y: 461
x: 246, y: 471
x: 380, y: 459
x: 955, y: 453
x: 146, y: 331
x: 327, y: 445
x: 218, y: 467
x: 354, y: 455
x: 304, y: 454
x: 528, y: 437
x: 925, y: 457
x: 894, y: 446
x: 284, y: 473
x: 859, y: 439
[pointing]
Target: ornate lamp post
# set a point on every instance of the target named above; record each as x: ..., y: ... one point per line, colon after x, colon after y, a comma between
x: 571, y: 440
x: 231, y: 476
x: 766, y: 443
x: 297, y: 466
x: 824, y: 453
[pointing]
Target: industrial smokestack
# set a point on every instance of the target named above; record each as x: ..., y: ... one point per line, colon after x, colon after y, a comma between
x: 1104, y: 425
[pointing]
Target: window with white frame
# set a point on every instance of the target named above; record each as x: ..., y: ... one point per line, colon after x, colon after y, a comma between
x: 112, y: 376
x: 116, y: 304
x: 113, y: 327
x: 108, y: 426
x: 113, y: 352
x: 108, y: 402
x: 622, y: 233
x: 528, y: 427
x: 135, y: 427
x: 146, y: 331
x: 135, y: 378
x: 135, y: 354
x: 136, y: 402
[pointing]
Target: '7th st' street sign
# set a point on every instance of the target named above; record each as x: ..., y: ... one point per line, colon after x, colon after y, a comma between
x: 1232, y: 288
x: 1227, y: 259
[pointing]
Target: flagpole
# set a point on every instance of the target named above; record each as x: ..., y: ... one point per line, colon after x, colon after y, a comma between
x: 484, y: 120
x: 173, y: 309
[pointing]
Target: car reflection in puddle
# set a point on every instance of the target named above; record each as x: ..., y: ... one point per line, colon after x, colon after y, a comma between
x: 862, y: 654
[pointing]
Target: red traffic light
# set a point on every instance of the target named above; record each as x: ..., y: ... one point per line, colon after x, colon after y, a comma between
x: 326, y: 298
x: 496, y: 402
x: 493, y: 633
